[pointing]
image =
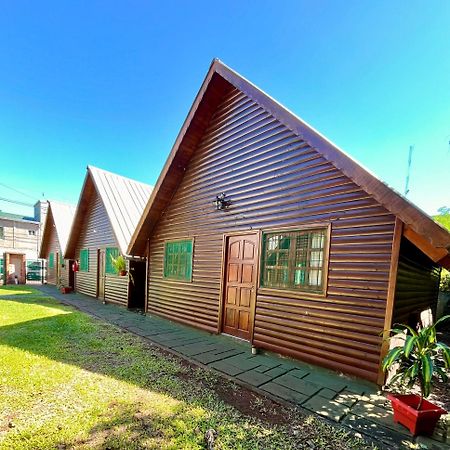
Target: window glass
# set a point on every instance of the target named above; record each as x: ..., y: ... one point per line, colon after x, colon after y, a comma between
x: 110, y: 252
x: 293, y: 260
x: 178, y: 260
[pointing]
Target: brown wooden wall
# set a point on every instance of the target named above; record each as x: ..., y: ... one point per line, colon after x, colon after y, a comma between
x: 274, y: 179
x: 417, y: 286
x: 96, y: 233
x: 54, y: 247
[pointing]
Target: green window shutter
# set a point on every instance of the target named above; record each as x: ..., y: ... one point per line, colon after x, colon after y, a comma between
x: 84, y: 260
x: 61, y: 260
x: 51, y: 260
x: 110, y: 253
x: 178, y: 260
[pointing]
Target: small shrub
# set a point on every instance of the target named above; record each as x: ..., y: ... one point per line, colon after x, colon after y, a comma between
x: 444, y: 285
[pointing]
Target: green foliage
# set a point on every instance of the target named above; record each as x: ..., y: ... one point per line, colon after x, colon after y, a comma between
x: 119, y: 263
x: 444, y: 285
x: 443, y: 217
x: 420, y: 359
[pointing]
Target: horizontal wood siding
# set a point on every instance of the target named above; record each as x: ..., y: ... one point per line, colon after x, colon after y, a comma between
x: 53, y: 246
x: 274, y: 179
x: 417, y: 286
x: 116, y: 289
x: 96, y: 233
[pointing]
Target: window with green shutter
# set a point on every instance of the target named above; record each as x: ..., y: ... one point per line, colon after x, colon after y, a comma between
x: 110, y: 253
x: 61, y: 260
x: 178, y: 260
x: 84, y: 260
x: 51, y: 260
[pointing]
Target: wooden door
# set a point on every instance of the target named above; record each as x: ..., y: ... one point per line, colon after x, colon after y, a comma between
x: 58, y: 269
x: 240, y: 285
x: 71, y: 275
x: 101, y: 274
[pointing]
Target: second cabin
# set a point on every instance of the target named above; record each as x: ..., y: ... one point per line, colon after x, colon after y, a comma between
x: 108, y: 211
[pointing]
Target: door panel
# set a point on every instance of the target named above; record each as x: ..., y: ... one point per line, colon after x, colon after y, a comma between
x: 101, y: 274
x: 240, y: 285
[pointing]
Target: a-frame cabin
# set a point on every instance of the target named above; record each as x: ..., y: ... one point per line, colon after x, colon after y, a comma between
x: 107, y: 213
x: 261, y: 228
x: 54, y: 241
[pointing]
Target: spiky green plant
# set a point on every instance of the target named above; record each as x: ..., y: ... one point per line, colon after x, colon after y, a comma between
x: 420, y: 359
x: 119, y: 263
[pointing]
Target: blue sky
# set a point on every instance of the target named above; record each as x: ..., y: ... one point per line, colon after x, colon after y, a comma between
x: 110, y: 84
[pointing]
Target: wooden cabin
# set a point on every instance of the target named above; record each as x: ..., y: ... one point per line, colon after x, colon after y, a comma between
x: 261, y: 228
x: 107, y: 213
x: 54, y: 241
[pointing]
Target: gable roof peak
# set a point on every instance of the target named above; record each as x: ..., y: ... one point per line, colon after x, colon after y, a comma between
x: 221, y: 78
x: 124, y: 200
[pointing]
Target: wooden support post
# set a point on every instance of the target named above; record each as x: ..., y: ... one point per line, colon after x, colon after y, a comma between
x: 395, y: 253
x: 147, y: 269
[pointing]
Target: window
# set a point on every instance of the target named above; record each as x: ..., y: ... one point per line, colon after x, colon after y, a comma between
x: 109, y: 254
x: 84, y: 260
x: 31, y: 232
x: 2, y: 232
x: 178, y: 260
x: 294, y: 260
x: 51, y: 260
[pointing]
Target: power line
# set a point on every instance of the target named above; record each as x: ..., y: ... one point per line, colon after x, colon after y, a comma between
x: 16, y: 190
x: 16, y: 202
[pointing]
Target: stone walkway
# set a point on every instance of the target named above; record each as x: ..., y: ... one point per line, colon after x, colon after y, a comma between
x: 353, y: 403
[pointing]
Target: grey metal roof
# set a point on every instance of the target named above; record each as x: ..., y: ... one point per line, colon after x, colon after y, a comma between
x: 17, y: 217
x: 124, y: 200
x: 63, y: 214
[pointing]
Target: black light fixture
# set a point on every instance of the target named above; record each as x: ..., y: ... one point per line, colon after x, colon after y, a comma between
x: 221, y: 202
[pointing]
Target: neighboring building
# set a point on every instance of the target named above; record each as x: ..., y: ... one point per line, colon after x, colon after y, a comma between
x: 19, y: 245
x: 54, y: 241
x: 261, y: 228
x: 107, y: 213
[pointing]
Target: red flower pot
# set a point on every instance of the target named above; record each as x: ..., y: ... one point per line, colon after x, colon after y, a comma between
x: 406, y: 413
x: 122, y: 273
x: 66, y: 290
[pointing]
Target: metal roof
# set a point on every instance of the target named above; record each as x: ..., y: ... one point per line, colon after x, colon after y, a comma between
x: 124, y: 200
x: 62, y: 215
x: 17, y: 217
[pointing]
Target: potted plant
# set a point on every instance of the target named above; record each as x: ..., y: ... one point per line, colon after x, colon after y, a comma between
x: 62, y: 288
x: 418, y: 361
x: 119, y: 264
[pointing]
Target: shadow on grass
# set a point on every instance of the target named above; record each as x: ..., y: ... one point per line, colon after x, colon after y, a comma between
x: 77, y: 339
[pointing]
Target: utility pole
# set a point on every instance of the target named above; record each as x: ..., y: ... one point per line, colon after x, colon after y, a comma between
x: 411, y: 148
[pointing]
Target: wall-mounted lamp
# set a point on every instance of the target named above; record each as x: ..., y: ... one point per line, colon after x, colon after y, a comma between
x: 221, y: 202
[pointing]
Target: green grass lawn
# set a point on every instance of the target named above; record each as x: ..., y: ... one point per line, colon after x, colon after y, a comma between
x: 71, y: 381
